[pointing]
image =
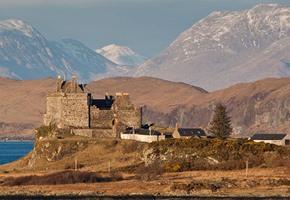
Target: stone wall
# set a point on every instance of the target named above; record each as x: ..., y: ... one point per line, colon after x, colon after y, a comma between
x: 101, y: 118
x: 131, y: 118
x: 75, y: 110
x: 104, y: 133
x: 67, y: 109
x: 104, y: 118
x: 53, y: 109
x: 95, y: 133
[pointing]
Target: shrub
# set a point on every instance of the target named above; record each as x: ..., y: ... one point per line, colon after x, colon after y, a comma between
x: 130, y: 147
x: 172, y: 168
x: 44, y: 131
x: 72, y: 166
x: 193, y: 154
x: 149, y: 172
x: 64, y: 177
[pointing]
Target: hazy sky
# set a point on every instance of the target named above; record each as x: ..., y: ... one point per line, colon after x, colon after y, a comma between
x: 146, y: 26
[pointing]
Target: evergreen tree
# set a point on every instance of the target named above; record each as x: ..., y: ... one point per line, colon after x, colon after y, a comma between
x: 220, y: 124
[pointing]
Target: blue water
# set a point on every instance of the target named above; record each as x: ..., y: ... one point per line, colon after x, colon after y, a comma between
x: 11, y: 151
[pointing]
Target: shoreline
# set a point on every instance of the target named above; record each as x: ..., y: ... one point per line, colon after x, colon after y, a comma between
x: 17, y: 141
x: 135, y: 196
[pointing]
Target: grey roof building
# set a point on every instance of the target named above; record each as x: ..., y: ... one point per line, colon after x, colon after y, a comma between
x: 188, y: 133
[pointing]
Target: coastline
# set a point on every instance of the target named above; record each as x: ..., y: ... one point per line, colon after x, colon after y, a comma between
x: 136, y: 196
x: 17, y: 141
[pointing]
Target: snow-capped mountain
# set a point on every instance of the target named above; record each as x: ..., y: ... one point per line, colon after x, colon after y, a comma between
x: 26, y: 54
x: 121, y: 55
x: 225, y: 48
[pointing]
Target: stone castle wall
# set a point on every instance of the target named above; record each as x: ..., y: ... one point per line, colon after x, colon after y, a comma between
x: 95, y: 133
x: 67, y: 109
x: 53, y: 109
x: 104, y: 118
x: 131, y: 118
x: 101, y: 118
x: 75, y: 110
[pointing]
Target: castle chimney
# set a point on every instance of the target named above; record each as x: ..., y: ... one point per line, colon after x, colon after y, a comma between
x: 107, y: 96
x: 176, y: 126
x: 58, y: 84
x: 73, y: 84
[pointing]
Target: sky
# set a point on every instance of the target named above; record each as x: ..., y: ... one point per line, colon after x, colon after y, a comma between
x: 146, y: 26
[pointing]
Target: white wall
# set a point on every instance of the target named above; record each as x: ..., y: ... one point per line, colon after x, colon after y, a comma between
x: 142, y: 138
x: 277, y: 142
x: 286, y: 138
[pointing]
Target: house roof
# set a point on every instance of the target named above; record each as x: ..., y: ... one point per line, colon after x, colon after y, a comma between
x: 142, y: 131
x: 190, y: 132
x: 103, y: 104
x: 264, y: 136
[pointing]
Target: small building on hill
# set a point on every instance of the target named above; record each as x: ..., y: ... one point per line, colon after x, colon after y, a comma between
x: 278, y: 139
x: 188, y: 133
x: 143, y: 135
x: 72, y: 106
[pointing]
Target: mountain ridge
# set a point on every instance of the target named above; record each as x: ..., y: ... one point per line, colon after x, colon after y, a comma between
x: 218, y: 45
x: 26, y: 54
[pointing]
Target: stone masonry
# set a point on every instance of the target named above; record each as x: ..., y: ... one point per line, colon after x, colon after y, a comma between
x: 72, y: 106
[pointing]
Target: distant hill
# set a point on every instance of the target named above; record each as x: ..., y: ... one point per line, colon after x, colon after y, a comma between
x: 226, y: 48
x: 261, y: 106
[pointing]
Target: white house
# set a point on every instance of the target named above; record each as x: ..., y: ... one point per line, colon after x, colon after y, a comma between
x: 278, y: 139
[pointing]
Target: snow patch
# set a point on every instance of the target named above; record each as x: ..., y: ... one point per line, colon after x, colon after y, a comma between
x: 121, y: 55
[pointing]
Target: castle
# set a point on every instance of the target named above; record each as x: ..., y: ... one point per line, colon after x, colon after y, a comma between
x: 72, y: 106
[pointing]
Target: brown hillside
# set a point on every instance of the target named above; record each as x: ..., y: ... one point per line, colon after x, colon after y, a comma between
x: 159, y: 94
x: 22, y: 105
x: 260, y: 106
x: 23, y: 101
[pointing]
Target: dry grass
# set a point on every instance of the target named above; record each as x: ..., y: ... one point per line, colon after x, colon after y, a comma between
x: 60, y: 178
x: 99, y: 155
x: 164, y: 183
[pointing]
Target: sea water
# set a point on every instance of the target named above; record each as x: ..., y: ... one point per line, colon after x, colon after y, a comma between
x: 11, y: 151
